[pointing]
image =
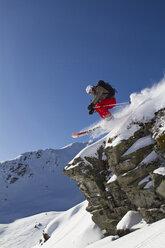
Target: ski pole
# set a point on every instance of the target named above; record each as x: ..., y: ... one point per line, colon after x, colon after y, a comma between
x: 117, y: 104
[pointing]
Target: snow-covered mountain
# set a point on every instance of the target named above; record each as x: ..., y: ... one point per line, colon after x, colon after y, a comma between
x: 122, y: 176
x: 33, y: 183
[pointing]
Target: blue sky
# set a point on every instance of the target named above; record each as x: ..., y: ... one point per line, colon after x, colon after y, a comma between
x: 50, y: 50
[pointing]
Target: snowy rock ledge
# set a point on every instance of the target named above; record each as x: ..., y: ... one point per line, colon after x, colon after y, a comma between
x: 132, y: 151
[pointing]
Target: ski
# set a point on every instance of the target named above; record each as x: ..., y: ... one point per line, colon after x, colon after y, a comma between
x: 76, y: 135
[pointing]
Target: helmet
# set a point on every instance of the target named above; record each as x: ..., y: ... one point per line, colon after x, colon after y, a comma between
x: 89, y: 89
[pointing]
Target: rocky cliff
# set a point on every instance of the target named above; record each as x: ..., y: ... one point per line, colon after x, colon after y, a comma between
x: 125, y: 170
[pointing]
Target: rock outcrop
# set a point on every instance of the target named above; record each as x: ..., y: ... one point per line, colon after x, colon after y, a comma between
x: 118, y: 176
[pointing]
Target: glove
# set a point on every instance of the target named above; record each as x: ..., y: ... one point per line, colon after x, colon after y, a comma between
x: 91, y: 106
x: 91, y: 111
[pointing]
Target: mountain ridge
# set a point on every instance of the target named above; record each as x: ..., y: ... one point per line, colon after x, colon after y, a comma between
x: 33, y: 183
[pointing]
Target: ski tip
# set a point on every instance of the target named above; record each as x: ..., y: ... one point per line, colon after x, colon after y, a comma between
x: 74, y: 136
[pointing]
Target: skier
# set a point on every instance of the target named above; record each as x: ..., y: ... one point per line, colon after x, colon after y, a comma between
x: 103, y: 99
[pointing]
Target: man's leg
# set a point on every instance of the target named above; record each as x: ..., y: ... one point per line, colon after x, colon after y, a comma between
x: 103, y: 106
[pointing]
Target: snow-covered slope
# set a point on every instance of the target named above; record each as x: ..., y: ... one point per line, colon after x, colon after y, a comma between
x: 33, y: 183
x: 25, y: 232
x: 72, y: 228
x: 150, y: 236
